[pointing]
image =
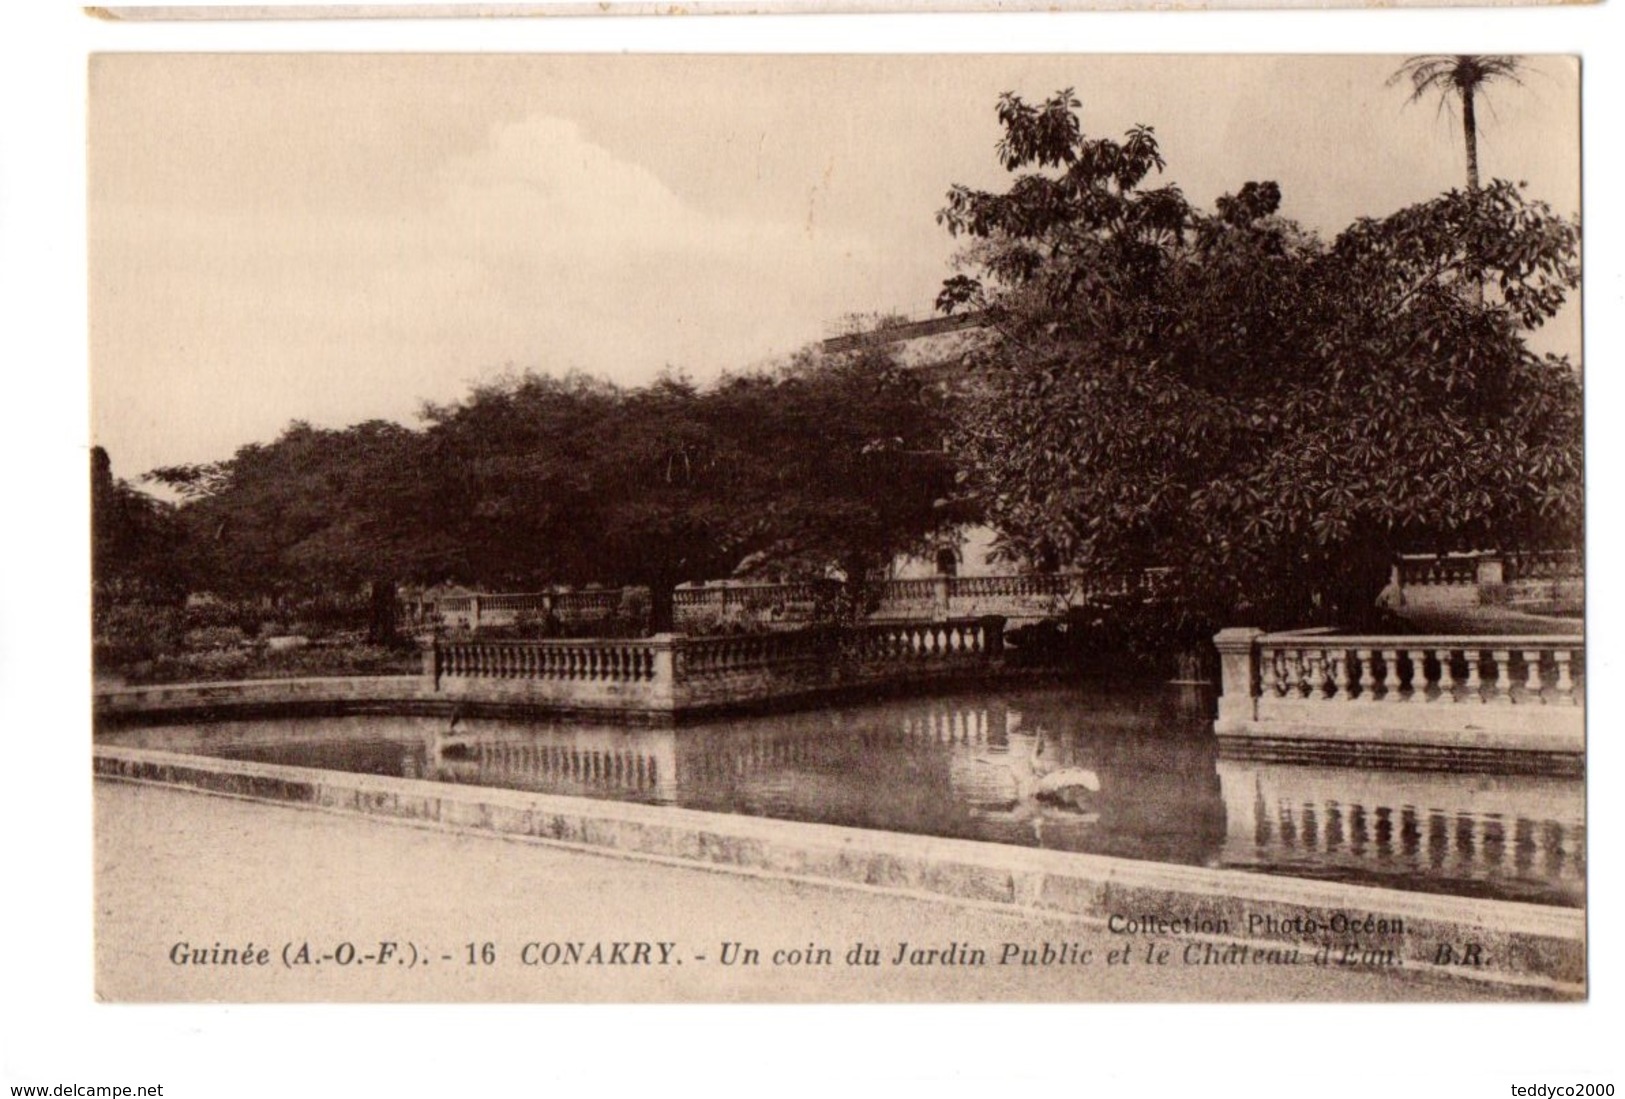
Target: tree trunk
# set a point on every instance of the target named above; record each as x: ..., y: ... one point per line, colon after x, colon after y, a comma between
x: 1469, y: 129
x: 662, y: 607
x: 858, y: 590
x: 381, y: 625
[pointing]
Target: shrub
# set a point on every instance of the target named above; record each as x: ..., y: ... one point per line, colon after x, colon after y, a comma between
x: 125, y: 634
x: 215, y: 637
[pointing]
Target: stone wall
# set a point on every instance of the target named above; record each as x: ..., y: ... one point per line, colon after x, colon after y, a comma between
x: 1529, y: 946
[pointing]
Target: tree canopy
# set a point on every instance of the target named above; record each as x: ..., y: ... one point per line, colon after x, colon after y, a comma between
x: 317, y: 510
x: 1273, y: 415
x: 134, y: 538
x: 532, y: 480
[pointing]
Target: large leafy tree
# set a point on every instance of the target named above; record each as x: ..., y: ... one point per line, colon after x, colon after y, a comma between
x: 861, y: 471
x: 531, y: 481
x: 134, y: 540
x: 820, y: 464
x: 1272, y: 415
x: 510, y: 462
x: 317, y: 511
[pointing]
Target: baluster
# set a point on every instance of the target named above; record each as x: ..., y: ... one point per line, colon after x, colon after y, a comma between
x: 1368, y: 675
x: 1417, y: 659
x: 1475, y: 683
x: 1501, y: 691
x: 1565, y: 676
x: 1270, y: 684
x: 1326, y: 685
x: 1532, y: 683
x: 1290, y: 665
x: 1390, y: 675
x: 1342, y: 675
x: 1447, y: 681
x: 1313, y: 679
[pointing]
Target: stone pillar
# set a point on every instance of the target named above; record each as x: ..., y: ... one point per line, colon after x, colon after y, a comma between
x: 993, y: 635
x: 431, y: 664
x: 939, y: 598
x: 474, y: 613
x: 1238, y: 673
x: 664, y: 694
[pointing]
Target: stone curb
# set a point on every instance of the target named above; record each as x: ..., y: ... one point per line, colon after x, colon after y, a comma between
x: 1531, y: 946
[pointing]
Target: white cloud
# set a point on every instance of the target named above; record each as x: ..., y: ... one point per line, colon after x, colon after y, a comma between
x: 541, y: 250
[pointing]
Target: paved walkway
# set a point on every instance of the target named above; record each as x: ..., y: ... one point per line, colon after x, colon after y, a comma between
x: 177, y: 867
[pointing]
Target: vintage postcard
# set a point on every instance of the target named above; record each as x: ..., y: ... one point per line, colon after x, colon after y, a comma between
x: 837, y: 528
x: 598, y: 8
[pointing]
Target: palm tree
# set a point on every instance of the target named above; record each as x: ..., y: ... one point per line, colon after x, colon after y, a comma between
x: 1462, y: 74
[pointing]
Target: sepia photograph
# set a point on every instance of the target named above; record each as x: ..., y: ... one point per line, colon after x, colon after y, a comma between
x: 697, y: 528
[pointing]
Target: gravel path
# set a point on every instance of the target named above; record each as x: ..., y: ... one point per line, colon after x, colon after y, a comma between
x: 176, y: 867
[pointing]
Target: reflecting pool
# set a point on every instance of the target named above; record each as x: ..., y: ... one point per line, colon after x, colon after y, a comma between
x: 1131, y: 773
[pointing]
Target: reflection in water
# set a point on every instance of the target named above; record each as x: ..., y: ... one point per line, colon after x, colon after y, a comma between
x: 1510, y: 836
x: 1133, y: 774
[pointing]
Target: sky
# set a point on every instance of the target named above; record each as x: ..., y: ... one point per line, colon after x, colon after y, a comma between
x: 340, y: 237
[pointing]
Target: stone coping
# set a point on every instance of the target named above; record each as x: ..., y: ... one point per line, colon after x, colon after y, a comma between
x: 250, y: 694
x: 413, y: 695
x: 1523, y: 945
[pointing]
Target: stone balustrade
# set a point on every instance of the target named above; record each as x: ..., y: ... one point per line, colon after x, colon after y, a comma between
x: 1542, y: 565
x: 1024, y: 597
x: 591, y: 675
x: 1008, y: 587
x: 1488, y: 692
x: 1424, y: 570
x: 801, y: 595
x: 487, y: 609
x: 1449, y: 580
x: 609, y: 661
x: 670, y: 673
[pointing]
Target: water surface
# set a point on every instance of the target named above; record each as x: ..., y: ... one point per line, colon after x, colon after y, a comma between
x: 1130, y: 773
